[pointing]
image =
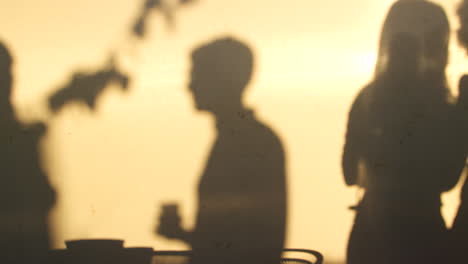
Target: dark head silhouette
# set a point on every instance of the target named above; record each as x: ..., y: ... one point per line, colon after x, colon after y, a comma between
x: 404, y: 53
x: 401, y: 144
x: 241, y: 213
x: 428, y: 25
x: 220, y: 73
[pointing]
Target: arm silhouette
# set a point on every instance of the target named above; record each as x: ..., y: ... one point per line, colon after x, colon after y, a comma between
x: 354, y: 142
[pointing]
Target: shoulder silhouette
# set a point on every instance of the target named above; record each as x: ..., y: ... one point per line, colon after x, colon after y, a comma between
x: 241, y: 213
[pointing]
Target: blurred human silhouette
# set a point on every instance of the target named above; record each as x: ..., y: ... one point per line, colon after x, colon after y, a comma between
x: 402, y: 145
x: 459, y: 231
x: 167, y: 9
x: 241, y: 215
x: 26, y: 196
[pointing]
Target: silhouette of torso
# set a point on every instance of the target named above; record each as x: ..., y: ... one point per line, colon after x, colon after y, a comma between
x: 459, y: 232
x: 242, y: 196
x: 26, y: 194
x: 405, y: 145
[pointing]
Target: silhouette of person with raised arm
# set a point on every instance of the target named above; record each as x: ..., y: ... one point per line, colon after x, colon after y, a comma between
x: 459, y: 231
x: 241, y: 215
x: 26, y: 196
x: 401, y: 142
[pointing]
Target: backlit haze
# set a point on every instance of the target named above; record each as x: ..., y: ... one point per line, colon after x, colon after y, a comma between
x: 114, y: 168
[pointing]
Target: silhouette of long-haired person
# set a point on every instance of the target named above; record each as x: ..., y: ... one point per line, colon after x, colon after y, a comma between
x: 401, y: 146
x: 26, y: 196
x: 241, y: 215
x: 459, y: 231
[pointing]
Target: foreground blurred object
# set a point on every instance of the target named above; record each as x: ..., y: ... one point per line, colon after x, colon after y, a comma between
x: 112, y: 251
x: 99, y: 251
x: 85, y: 87
x: 26, y: 196
x: 166, y: 7
x: 301, y: 256
x: 289, y: 256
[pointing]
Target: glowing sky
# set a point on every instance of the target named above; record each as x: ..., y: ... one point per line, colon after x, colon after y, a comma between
x: 114, y: 168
